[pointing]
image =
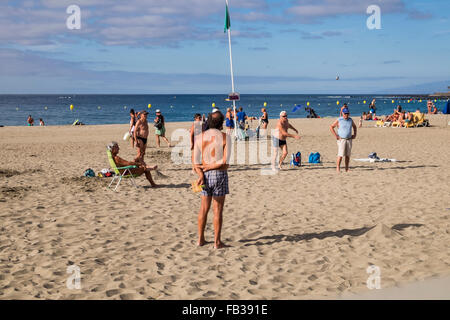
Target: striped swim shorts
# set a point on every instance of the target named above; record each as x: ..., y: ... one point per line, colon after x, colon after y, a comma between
x: 216, y: 183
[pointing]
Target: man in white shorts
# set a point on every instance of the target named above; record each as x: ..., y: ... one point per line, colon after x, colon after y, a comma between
x: 344, y: 137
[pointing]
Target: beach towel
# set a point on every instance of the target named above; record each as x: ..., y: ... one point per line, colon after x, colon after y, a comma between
x: 375, y: 160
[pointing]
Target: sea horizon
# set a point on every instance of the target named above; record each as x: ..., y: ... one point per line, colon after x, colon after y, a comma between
x: 94, y: 109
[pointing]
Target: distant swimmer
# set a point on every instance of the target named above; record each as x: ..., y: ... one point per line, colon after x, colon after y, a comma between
x: 30, y: 120
x: 337, y: 77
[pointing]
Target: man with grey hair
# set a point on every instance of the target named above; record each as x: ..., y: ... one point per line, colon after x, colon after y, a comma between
x: 141, y: 168
x: 279, y: 139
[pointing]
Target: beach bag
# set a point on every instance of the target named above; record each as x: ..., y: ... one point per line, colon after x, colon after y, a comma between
x: 89, y: 173
x: 296, y: 159
x: 314, y: 157
x: 158, y: 125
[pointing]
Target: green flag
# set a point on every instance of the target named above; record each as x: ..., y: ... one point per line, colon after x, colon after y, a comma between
x: 227, y: 21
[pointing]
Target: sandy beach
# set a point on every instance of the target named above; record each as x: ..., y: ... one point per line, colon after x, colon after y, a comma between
x: 303, y: 233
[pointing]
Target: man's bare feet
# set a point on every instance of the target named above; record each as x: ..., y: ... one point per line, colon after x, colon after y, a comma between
x: 201, y: 242
x: 219, y: 245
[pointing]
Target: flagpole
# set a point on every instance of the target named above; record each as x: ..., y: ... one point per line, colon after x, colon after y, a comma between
x: 232, y: 75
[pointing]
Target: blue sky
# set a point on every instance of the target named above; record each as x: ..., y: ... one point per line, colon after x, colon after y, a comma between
x: 172, y: 46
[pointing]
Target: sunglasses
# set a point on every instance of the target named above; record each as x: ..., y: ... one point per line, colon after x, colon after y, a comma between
x: 284, y: 116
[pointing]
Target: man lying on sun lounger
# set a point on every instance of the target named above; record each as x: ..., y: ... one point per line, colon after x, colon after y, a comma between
x: 141, y: 168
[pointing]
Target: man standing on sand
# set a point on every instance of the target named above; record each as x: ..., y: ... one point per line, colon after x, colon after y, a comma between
x: 344, y: 138
x: 141, y: 136
x: 279, y: 138
x: 211, y: 153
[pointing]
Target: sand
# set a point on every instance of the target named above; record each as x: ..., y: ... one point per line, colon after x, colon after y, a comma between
x: 303, y: 233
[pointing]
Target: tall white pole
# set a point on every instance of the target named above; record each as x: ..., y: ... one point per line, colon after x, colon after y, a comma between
x: 232, y: 75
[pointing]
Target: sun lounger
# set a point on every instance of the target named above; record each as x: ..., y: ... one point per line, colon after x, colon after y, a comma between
x: 419, y: 120
x: 126, y: 173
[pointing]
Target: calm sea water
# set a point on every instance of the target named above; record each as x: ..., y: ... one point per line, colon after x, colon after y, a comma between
x: 114, y: 109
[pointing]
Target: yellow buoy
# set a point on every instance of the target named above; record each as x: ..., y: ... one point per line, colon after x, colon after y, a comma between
x: 71, y: 107
x: 265, y: 104
x: 149, y: 105
x: 337, y: 102
x: 307, y: 103
x: 393, y: 101
x: 213, y: 104
x: 364, y: 101
x: 420, y: 100
x: 45, y: 108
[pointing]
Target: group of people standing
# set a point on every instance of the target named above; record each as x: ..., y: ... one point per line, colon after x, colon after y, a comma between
x: 241, y: 119
x: 139, y: 131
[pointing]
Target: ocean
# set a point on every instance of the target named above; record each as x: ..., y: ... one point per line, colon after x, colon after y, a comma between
x: 114, y: 109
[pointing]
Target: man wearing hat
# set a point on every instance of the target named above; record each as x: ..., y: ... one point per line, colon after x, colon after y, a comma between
x: 160, y: 129
x: 344, y: 137
x: 279, y: 139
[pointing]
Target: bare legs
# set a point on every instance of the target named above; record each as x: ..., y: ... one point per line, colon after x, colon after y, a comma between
x: 148, y: 175
x: 218, y: 203
x: 164, y: 138
x: 338, y: 164
x: 140, y: 151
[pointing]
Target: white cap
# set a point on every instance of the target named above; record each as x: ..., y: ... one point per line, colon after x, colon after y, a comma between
x: 158, y: 111
x: 215, y: 110
x: 283, y: 113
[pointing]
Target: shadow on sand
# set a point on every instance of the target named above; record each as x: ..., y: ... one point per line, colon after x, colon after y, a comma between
x: 321, y: 235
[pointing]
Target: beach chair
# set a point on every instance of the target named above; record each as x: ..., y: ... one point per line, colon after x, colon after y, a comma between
x: 419, y: 120
x: 396, y: 124
x: 379, y: 124
x: 119, y: 176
